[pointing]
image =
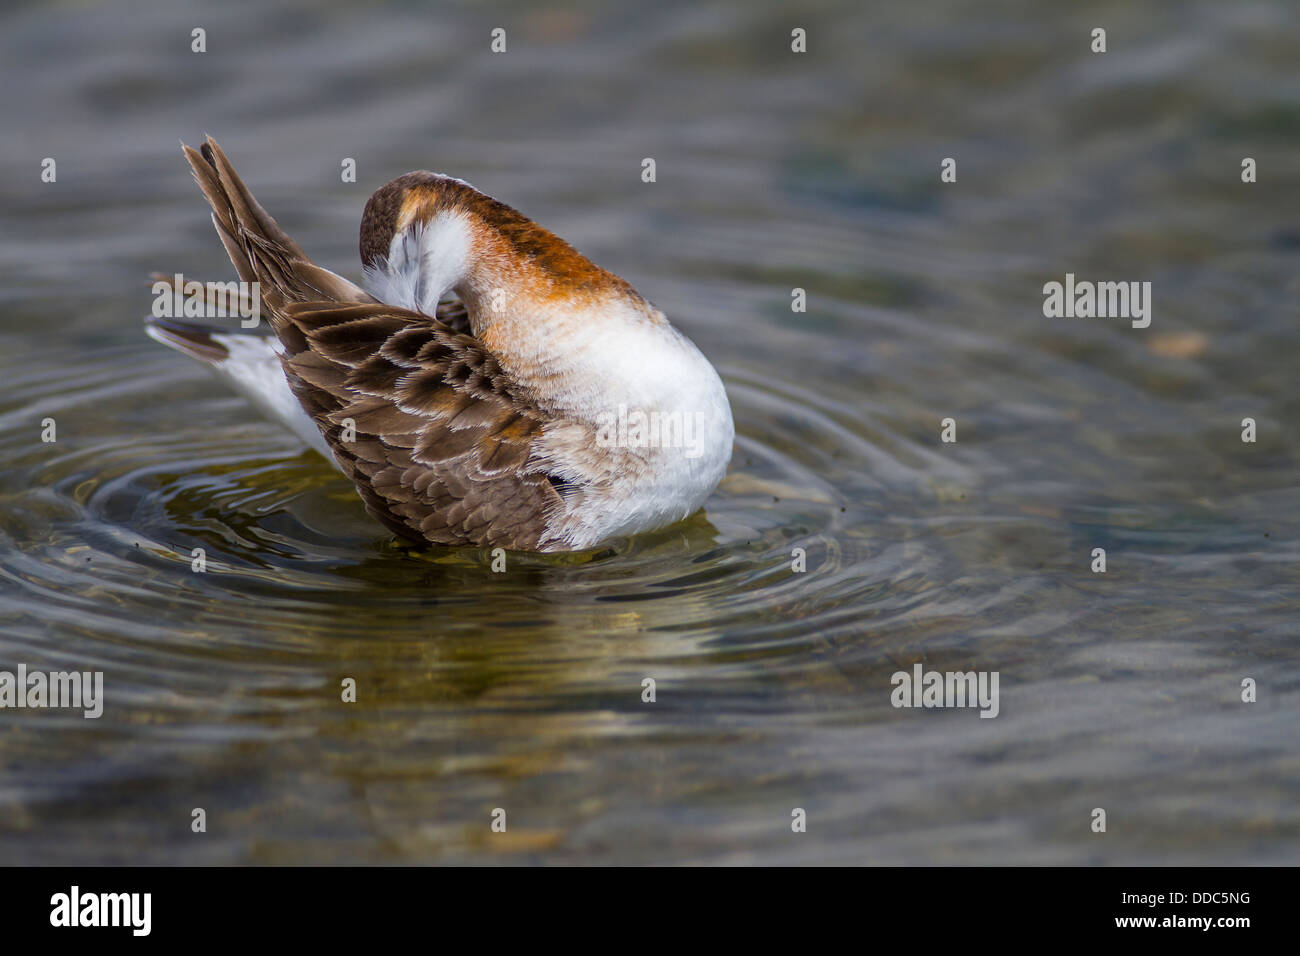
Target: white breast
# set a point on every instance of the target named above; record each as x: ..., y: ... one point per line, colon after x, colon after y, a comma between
x: 647, y: 432
x: 641, y: 429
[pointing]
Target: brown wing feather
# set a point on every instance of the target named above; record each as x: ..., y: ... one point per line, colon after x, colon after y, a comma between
x: 440, y: 437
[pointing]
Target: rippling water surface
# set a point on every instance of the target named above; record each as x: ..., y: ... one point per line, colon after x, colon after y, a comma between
x: 522, y: 690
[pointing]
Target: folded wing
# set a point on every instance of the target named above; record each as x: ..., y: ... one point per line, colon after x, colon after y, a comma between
x: 436, y: 437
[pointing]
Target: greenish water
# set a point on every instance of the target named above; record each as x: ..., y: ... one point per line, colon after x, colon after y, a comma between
x: 523, y: 690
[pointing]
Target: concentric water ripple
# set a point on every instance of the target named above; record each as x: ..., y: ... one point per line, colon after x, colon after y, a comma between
x: 523, y: 689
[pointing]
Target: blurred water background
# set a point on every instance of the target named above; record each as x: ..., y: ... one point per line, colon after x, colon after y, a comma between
x: 775, y: 170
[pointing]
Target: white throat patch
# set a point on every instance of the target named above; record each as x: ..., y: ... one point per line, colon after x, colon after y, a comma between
x: 425, y: 260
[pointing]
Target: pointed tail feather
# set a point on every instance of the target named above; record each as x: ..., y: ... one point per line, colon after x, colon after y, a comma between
x: 261, y: 251
x: 194, y: 340
x: 216, y: 295
x: 250, y: 364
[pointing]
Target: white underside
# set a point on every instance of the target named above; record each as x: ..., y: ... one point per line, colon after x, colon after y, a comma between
x: 254, y: 371
x: 647, y: 480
